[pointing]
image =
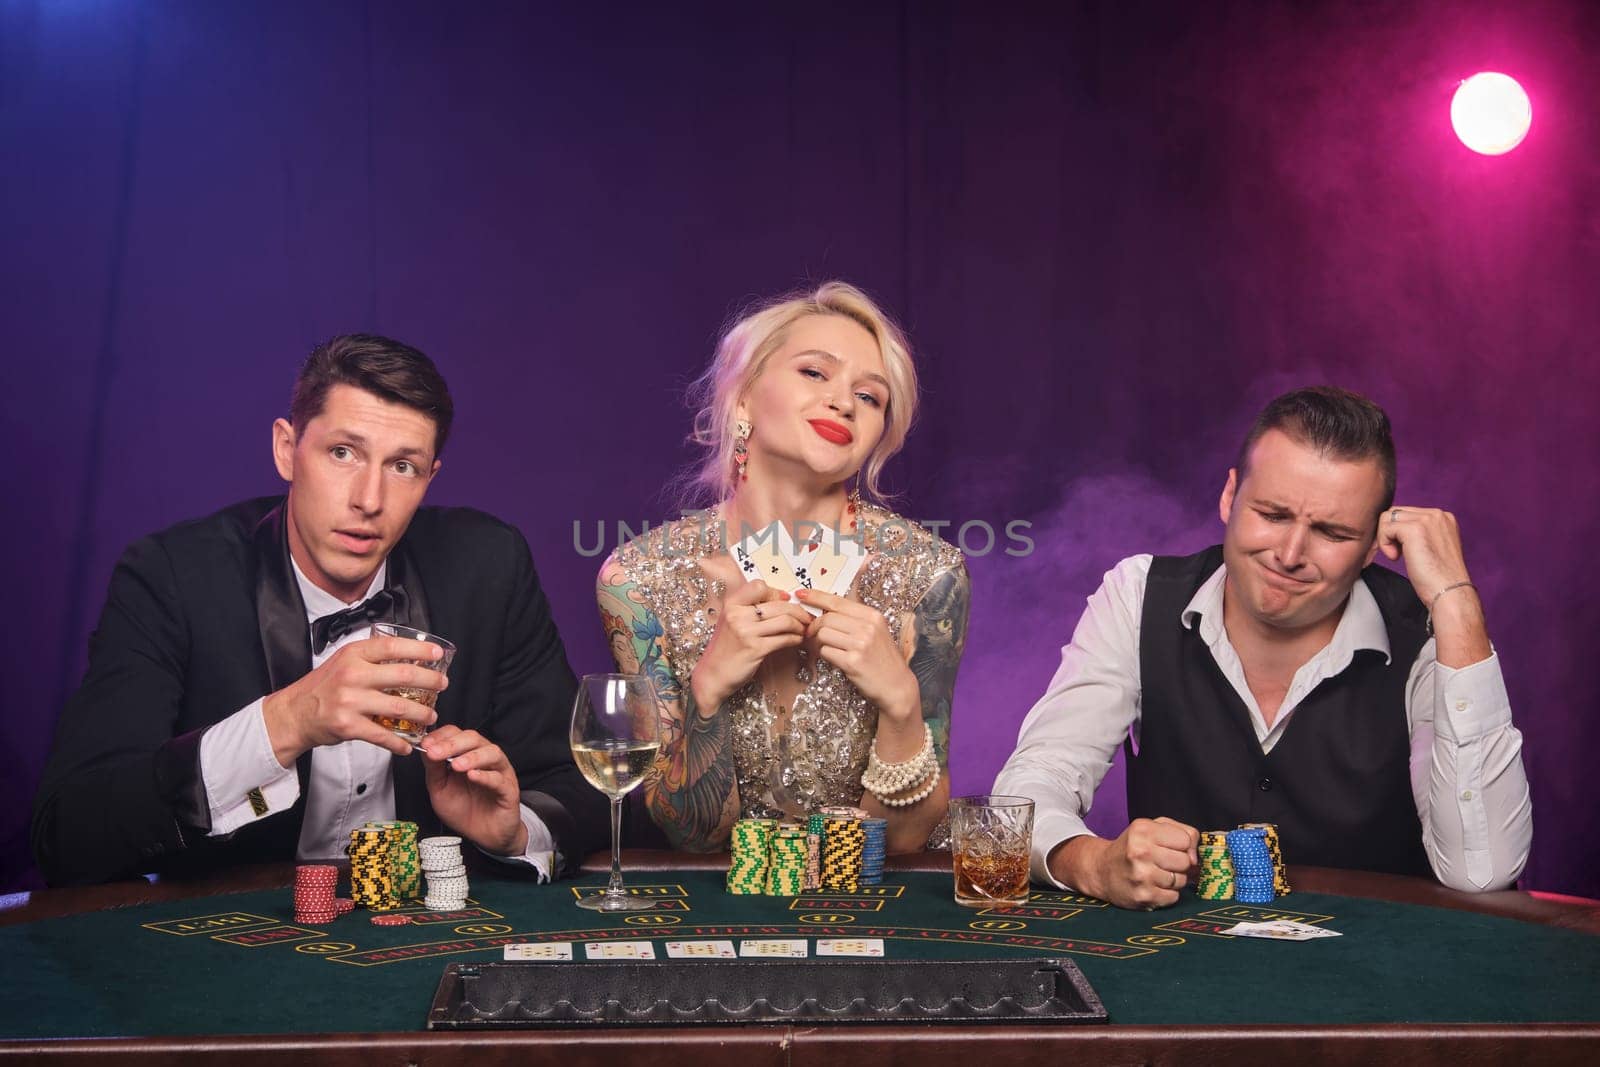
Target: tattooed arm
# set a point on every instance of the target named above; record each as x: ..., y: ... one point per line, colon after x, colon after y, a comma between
x: 690, y: 790
x: 934, y: 642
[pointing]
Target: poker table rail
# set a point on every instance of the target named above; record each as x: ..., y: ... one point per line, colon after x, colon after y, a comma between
x: 792, y: 1046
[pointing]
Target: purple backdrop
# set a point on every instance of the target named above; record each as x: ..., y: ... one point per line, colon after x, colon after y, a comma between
x: 1112, y: 231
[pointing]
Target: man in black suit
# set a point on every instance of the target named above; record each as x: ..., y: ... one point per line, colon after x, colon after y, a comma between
x: 228, y: 710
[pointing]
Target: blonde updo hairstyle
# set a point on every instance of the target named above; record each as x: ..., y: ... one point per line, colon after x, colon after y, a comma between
x: 743, y: 353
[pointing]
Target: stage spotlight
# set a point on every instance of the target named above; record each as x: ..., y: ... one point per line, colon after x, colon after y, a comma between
x: 1490, y: 113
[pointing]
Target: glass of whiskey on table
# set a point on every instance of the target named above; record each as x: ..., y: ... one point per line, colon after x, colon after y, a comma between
x: 991, y: 838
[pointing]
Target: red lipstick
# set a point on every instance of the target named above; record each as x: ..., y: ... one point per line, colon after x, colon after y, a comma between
x: 832, y: 431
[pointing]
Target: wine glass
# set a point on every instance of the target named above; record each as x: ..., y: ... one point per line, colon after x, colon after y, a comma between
x: 616, y: 732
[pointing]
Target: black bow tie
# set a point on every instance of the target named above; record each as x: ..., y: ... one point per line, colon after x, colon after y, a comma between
x: 382, y: 606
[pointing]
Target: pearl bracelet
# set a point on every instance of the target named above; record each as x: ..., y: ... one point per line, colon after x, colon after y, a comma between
x: 884, y: 780
x: 920, y: 795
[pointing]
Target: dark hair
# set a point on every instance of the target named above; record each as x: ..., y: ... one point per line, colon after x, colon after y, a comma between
x: 377, y: 365
x: 1335, y: 422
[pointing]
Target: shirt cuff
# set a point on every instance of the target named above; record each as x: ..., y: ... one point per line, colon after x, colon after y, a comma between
x: 1048, y: 832
x: 243, y: 779
x: 1472, y: 701
x: 541, y: 851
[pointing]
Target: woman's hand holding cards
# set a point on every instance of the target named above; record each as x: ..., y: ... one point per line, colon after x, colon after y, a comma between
x: 855, y: 638
x: 756, y: 621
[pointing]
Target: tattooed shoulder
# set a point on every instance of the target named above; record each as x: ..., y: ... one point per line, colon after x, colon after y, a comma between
x: 633, y: 632
x: 940, y: 636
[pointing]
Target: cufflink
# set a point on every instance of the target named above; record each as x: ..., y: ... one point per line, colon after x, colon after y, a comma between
x: 258, y: 802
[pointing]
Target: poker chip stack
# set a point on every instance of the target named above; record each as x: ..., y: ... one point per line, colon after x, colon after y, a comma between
x: 1216, y: 870
x: 841, y: 853
x: 751, y: 846
x: 873, y: 850
x: 786, y: 868
x: 815, y: 828
x: 1280, y: 876
x: 445, y: 871
x: 371, y: 876
x: 1252, y: 865
x: 405, y: 865
x: 314, y: 900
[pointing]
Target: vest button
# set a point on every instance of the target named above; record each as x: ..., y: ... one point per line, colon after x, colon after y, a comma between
x: 1265, y: 785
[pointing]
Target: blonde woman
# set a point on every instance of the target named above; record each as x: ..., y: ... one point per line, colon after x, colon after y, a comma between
x: 770, y: 710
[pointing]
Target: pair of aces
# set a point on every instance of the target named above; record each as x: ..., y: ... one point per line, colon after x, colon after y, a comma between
x: 827, y: 561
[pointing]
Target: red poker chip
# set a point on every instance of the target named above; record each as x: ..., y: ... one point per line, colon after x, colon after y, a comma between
x: 344, y: 905
x: 390, y: 920
x: 315, y: 919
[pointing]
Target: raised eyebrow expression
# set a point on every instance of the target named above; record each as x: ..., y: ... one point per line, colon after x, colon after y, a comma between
x: 1272, y: 510
x: 829, y: 357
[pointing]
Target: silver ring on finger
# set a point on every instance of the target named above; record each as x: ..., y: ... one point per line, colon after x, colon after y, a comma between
x: 758, y: 612
x: 1394, y: 516
x: 1176, y: 878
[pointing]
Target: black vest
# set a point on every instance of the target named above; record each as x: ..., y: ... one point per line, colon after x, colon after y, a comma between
x: 1337, y: 783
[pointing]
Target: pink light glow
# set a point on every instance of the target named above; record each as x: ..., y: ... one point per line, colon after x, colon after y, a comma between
x: 1490, y: 113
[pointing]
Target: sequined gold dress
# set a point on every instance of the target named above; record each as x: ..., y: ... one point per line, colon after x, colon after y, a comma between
x: 796, y: 759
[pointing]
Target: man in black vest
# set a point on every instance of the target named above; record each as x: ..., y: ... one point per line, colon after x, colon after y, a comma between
x: 1281, y: 677
x: 227, y: 714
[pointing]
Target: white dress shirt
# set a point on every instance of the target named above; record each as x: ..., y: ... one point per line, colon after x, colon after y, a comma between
x: 1466, y: 757
x: 350, y: 783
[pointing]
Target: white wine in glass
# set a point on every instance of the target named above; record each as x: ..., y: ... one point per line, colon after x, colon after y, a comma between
x: 616, y: 733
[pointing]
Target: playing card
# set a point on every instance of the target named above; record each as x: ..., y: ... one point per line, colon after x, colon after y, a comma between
x: 540, y: 951
x: 1281, y: 930
x: 826, y: 560
x: 741, y: 557
x: 764, y: 555
x: 850, y: 946
x: 700, y: 950
x: 809, y: 538
x: 619, y: 950
x: 778, y: 947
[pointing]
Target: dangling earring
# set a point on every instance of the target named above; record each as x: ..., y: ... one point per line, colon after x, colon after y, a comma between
x: 741, y: 454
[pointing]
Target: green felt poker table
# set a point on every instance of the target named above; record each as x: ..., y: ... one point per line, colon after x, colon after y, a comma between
x: 168, y: 972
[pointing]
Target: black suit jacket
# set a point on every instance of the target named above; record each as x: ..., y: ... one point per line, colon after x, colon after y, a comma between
x: 204, y: 618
